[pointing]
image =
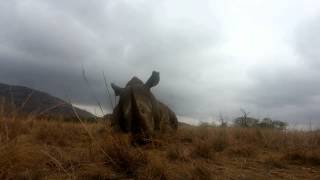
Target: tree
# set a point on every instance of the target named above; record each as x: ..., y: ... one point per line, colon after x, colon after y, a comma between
x: 245, y: 121
x: 244, y: 118
x: 266, y: 123
x: 279, y: 125
x: 274, y: 124
x: 251, y: 122
x: 222, y: 121
x: 248, y: 122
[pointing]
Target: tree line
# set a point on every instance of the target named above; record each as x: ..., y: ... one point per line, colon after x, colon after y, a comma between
x: 246, y: 121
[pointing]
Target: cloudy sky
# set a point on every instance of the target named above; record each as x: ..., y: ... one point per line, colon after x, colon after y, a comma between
x: 214, y: 56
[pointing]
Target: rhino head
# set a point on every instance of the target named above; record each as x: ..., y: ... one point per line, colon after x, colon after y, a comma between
x: 138, y: 111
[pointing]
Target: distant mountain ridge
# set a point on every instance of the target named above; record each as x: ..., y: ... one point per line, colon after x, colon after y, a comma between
x: 25, y: 100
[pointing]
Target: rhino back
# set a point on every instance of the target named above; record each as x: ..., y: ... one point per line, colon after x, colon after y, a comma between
x: 168, y: 119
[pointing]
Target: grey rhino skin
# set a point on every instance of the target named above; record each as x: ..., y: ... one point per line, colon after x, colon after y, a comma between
x: 139, y: 112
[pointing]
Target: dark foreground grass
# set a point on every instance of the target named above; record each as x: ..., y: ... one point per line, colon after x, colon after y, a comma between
x: 41, y: 149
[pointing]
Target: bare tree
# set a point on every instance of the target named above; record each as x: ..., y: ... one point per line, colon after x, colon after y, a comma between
x: 244, y: 118
x: 222, y: 121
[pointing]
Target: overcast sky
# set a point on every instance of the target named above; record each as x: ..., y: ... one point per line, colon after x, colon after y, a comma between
x: 213, y: 56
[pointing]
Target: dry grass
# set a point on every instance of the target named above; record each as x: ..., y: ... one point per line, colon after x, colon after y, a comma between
x: 41, y: 149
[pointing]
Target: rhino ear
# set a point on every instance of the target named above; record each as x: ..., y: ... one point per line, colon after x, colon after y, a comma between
x: 117, y: 89
x: 153, y: 80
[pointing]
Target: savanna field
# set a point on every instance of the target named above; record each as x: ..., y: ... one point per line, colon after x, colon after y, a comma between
x: 52, y: 149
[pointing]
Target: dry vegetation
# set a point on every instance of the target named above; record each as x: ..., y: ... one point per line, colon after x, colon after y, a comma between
x: 40, y: 149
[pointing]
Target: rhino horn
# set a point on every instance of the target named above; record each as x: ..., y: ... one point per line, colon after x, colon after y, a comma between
x: 153, y: 80
x: 117, y: 89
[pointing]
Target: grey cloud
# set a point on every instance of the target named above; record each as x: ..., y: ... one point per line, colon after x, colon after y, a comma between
x: 308, y: 41
x: 45, y: 45
x: 285, y: 86
x: 290, y: 92
x: 67, y: 83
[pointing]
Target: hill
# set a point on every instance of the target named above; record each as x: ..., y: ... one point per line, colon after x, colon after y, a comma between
x: 27, y: 101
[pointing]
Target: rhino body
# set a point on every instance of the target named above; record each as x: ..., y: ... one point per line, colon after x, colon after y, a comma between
x: 139, y: 112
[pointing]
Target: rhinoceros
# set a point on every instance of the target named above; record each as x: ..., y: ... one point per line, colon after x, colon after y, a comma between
x: 139, y: 112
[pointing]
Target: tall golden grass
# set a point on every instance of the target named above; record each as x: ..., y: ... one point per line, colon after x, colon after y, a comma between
x: 41, y: 149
